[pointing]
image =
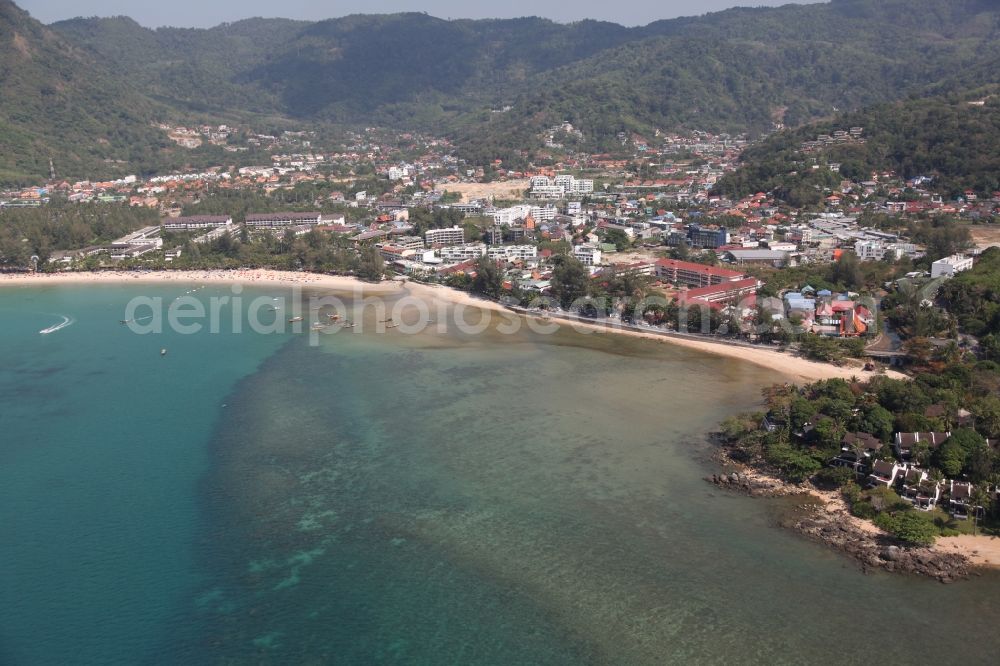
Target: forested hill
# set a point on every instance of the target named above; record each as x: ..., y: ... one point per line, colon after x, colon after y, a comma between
x: 58, y: 102
x: 740, y: 69
x: 200, y: 70
x: 953, y: 139
x: 735, y: 69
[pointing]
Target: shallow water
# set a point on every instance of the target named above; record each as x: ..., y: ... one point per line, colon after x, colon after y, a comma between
x: 434, y: 498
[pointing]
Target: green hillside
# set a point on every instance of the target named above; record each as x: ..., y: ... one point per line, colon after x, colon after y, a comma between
x: 737, y: 70
x: 740, y: 69
x: 745, y: 68
x: 954, y: 139
x: 59, y: 103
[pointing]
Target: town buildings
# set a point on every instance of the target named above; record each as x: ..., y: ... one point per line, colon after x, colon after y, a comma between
x: 512, y: 252
x: 588, y: 254
x: 690, y: 274
x: 560, y: 187
x: 460, y: 253
x: 949, y: 266
x: 196, y: 222
x: 281, y: 220
x: 450, y: 236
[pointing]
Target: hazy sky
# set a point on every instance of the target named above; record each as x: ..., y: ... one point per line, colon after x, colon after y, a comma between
x: 205, y: 13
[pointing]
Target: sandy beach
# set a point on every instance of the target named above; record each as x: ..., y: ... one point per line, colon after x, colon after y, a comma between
x: 791, y: 367
x: 255, y: 276
x: 981, y: 550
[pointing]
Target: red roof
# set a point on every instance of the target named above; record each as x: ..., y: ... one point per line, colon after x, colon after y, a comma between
x: 673, y: 264
x: 719, y: 289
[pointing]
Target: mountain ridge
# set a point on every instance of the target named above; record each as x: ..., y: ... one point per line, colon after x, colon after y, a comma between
x: 738, y: 70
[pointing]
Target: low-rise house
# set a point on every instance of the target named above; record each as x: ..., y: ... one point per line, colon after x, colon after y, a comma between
x: 885, y: 473
x: 774, y: 422
x: 920, y: 490
x: 857, y: 450
x: 913, y: 477
x: 960, y: 498
x: 925, y: 495
x: 905, y: 442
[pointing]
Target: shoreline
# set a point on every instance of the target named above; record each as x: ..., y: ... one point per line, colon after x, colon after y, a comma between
x: 789, y: 366
x: 260, y: 276
x: 831, y: 523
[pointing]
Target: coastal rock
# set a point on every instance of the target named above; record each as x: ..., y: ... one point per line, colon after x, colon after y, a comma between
x: 891, y: 554
x: 872, y: 550
x: 753, y: 486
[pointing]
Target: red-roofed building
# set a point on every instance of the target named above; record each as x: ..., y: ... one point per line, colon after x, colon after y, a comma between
x: 694, y: 275
x: 467, y: 267
x: 721, y: 294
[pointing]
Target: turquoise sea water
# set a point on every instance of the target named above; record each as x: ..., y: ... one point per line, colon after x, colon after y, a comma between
x: 417, y: 499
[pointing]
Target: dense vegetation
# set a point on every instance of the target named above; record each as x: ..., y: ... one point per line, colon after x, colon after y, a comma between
x: 58, y: 102
x: 82, y: 110
x: 956, y: 389
x: 973, y: 298
x: 37, y: 232
x: 812, y: 422
x: 315, y: 251
x: 951, y: 139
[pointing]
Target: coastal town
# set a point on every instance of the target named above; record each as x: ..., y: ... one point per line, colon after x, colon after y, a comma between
x: 641, y: 240
x: 652, y: 210
x: 427, y: 333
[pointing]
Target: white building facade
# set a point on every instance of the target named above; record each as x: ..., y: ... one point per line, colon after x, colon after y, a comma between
x: 456, y: 253
x: 512, y: 252
x: 949, y: 266
x: 588, y: 254
x: 450, y: 236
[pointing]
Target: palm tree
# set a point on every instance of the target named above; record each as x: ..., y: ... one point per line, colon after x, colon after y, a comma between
x: 980, y: 499
x: 858, y: 449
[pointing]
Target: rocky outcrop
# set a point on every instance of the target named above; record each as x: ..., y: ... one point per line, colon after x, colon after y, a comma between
x: 836, y: 527
x: 754, y: 485
x: 879, y: 551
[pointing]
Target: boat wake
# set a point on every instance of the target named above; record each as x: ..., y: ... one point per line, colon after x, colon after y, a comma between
x: 66, y: 321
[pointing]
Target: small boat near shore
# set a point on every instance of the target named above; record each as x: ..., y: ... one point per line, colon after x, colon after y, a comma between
x: 294, y: 320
